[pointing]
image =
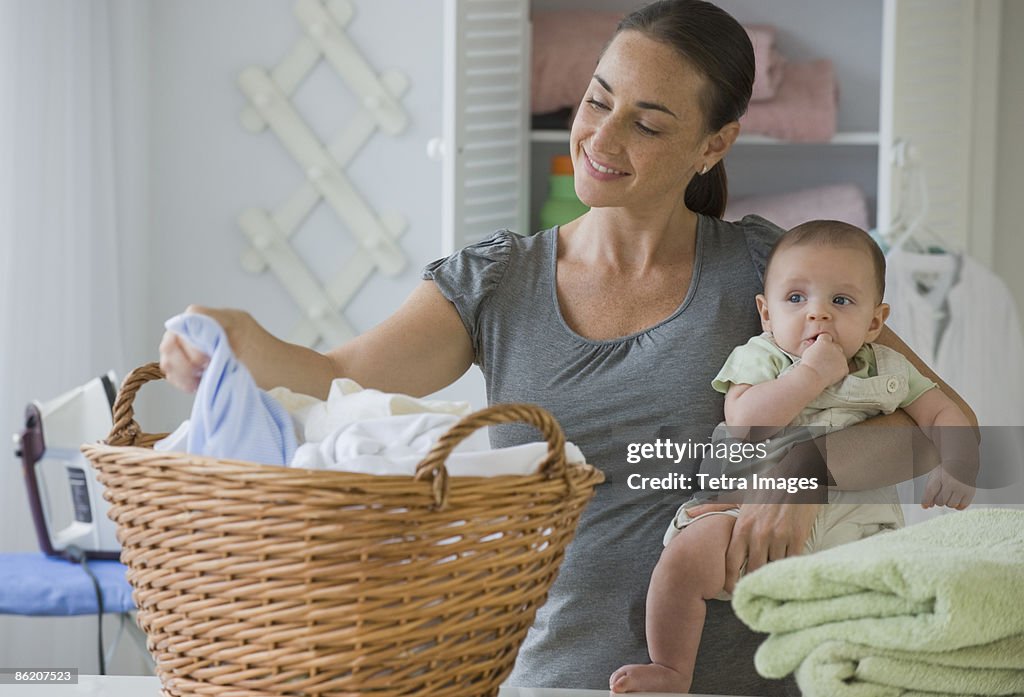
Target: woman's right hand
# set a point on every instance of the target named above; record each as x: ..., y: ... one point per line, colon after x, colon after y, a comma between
x: 420, y: 349
x: 183, y: 365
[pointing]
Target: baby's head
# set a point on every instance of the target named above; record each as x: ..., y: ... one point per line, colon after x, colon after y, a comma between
x: 824, y: 277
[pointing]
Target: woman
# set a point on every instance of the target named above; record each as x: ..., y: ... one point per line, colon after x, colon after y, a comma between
x: 616, y: 322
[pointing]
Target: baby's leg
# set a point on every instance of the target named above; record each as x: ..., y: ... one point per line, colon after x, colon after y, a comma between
x: 691, y: 570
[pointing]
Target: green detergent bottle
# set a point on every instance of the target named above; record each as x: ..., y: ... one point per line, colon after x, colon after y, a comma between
x: 561, y: 205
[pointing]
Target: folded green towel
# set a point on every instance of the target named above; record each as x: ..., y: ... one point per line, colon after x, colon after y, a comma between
x: 841, y: 669
x: 952, y: 582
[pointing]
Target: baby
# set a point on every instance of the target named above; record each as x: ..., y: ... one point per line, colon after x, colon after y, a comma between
x: 813, y: 366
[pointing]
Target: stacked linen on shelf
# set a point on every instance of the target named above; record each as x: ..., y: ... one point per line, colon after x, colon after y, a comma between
x: 355, y: 430
x: 844, y: 202
x: 796, y: 102
x: 803, y: 110
x: 768, y: 62
x: 789, y: 101
x: 566, y: 47
x: 932, y: 609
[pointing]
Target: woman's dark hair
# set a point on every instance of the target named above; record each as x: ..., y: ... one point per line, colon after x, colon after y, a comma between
x: 716, y: 45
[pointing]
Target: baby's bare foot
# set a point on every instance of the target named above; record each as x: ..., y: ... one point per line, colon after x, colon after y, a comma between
x: 648, y: 678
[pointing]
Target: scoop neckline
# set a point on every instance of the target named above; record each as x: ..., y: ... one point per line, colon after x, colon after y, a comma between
x: 698, y: 259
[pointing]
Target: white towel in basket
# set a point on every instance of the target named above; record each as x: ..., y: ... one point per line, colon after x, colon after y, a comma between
x: 394, y: 445
x: 372, y: 432
x: 348, y: 402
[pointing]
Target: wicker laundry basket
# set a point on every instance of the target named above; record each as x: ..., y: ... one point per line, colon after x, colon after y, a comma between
x: 259, y: 580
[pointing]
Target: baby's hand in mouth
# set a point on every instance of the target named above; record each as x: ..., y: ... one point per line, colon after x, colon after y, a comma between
x: 826, y: 358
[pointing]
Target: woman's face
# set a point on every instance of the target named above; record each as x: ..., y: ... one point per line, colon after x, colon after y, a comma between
x: 639, y: 133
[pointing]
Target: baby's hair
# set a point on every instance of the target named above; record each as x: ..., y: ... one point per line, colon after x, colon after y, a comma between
x: 834, y: 233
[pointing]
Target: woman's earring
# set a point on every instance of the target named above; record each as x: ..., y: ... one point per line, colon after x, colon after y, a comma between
x: 705, y: 169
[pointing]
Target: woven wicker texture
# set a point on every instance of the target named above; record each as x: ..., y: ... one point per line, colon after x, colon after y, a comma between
x: 259, y: 580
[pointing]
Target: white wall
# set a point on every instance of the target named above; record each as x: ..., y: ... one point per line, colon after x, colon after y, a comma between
x: 206, y: 169
x: 71, y: 642
x: 1009, y: 215
x: 130, y: 30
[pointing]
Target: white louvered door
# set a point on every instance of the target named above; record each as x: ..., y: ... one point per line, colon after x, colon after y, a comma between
x: 937, y: 98
x: 485, y: 144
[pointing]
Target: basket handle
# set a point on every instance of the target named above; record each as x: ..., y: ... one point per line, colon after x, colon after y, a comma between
x: 554, y: 465
x: 125, y: 430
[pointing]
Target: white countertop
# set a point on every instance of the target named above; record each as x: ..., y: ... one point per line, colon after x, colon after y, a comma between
x: 145, y: 686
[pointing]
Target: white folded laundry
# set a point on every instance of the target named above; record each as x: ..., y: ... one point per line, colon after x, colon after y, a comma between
x: 367, y: 431
x: 395, y: 445
x: 176, y: 440
x: 347, y: 402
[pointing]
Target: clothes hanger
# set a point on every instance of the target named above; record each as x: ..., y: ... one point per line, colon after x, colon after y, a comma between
x: 910, y: 231
x: 933, y: 262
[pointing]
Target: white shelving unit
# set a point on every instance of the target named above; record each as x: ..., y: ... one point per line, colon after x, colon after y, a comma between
x: 907, y: 70
x: 850, y: 35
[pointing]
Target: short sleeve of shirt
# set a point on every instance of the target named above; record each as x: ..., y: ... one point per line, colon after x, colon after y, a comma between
x: 761, y: 237
x: 756, y: 361
x: 918, y: 385
x: 468, y: 276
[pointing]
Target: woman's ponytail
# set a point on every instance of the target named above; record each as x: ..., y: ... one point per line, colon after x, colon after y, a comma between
x: 708, y: 193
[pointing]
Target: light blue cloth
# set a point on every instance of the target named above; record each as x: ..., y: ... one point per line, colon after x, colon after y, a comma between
x: 231, y: 417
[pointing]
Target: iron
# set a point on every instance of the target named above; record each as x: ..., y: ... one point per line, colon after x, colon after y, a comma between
x: 54, y: 467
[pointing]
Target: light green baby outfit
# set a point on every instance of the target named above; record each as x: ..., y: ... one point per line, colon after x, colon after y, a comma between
x: 881, y: 381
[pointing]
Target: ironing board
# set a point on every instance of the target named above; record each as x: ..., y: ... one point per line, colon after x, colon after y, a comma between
x: 34, y: 584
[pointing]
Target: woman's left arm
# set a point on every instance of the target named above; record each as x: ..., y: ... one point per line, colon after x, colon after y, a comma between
x: 890, y: 449
x: 888, y: 338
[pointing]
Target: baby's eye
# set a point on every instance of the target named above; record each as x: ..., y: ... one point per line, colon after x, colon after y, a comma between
x: 795, y: 298
x: 842, y: 300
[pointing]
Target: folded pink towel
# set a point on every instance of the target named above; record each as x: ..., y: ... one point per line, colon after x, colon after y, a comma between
x: 567, y: 45
x: 768, y: 63
x: 804, y: 107
x: 845, y: 202
x: 566, y: 48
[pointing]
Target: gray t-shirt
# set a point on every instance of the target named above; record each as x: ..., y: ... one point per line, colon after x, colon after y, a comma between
x: 655, y: 384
